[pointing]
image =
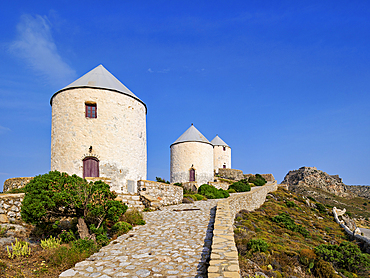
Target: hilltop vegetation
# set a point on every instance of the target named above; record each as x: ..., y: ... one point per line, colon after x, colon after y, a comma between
x: 287, y: 236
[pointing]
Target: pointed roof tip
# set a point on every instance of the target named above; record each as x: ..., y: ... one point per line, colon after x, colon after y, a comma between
x: 192, y: 135
x: 100, y: 78
x: 217, y: 141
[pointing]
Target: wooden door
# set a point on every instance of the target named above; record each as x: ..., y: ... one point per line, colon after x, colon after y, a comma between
x: 192, y: 175
x: 91, y: 167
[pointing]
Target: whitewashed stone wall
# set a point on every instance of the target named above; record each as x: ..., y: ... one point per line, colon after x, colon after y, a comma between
x: 117, y: 135
x: 165, y: 194
x: 10, y: 207
x: 221, y: 157
x: 186, y: 155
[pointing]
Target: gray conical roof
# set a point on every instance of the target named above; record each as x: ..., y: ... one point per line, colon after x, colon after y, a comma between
x: 192, y: 135
x: 217, y: 141
x: 101, y: 78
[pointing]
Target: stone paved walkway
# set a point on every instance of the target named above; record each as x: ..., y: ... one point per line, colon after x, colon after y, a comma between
x: 175, y: 242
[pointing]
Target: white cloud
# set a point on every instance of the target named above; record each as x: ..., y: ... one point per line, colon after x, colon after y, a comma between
x: 158, y: 71
x: 4, y: 129
x: 36, y: 46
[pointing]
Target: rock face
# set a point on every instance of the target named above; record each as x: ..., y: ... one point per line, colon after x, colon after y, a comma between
x: 360, y: 190
x: 311, y: 177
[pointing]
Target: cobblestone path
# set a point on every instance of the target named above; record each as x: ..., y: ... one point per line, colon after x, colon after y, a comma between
x: 175, y: 242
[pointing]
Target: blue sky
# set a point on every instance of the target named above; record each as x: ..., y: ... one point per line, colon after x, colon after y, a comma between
x: 284, y: 83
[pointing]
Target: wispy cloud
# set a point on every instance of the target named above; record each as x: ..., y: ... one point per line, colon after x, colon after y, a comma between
x: 158, y: 71
x: 36, y: 46
x: 3, y: 129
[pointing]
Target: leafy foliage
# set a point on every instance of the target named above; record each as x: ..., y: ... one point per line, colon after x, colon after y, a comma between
x: 19, y: 249
x: 241, y: 186
x: 346, y: 255
x: 284, y: 220
x: 133, y: 217
x: 257, y: 180
x: 211, y: 192
x: 290, y: 204
x: 257, y: 245
x: 51, y: 196
x: 67, y: 236
x: 51, y: 242
x: 320, y: 207
x: 121, y: 228
x: 158, y: 179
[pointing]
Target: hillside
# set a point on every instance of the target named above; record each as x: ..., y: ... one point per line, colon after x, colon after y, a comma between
x: 279, y: 240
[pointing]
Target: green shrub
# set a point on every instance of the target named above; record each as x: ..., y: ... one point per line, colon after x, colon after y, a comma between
x: 158, y: 179
x: 240, y: 186
x: 51, y: 242
x: 346, y: 255
x: 19, y: 249
x: 133, y: 217
x: 290, y: 204
x: 51, y: 196
x: 285, y: 221
x: 257, y: 180
x: 307, y: 256
x: 320, y: 207
x: 230, y: 190
x: 257, y: 245
x: 101, y: 235
x: 311, y: 198
x: 212, y: 192
x: 16, y: 190
x: 324, y: 270
x: 200, y: 197
x: 121, y: 228
x: 67, y: 236
x: 84, y: 245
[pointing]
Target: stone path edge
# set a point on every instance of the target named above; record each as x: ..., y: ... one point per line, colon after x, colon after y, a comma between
x: 224, y: 260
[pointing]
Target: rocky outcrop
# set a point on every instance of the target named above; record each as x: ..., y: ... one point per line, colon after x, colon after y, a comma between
x: 311, y: 177
x: 360, y: 190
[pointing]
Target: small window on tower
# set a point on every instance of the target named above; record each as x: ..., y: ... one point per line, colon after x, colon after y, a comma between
x: 224, y: 148
x: 90, y: 110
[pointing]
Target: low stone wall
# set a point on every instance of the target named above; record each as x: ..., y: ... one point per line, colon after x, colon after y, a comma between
x: 10, y: 207
x: 267, y: 177
x: 231, y: 174
x: 15, y: 183
x: 356, y: 233
x: 220, y: 184
x: 166, y: 194
x: 192, y: 186
x: 224, y: 255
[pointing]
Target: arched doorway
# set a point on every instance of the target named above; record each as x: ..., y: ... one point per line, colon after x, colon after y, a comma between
x: 192, y: 174
x: 90, y: 167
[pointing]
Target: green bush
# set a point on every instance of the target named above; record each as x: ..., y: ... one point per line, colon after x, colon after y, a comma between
x: 51, y: 242
x: 257, y: 180
x: 257, y: 245
x: 320, y: 207
x: 67, y: 236
x: 101, y: 235
x: 121, y: 228
x: 290, y: 204
x: 324, y: 270
x: 240, y: 186
x: 200, y: 197
x: 158, y: 179
x: 212, y: 192
x: 230, y: 190
x: 346, y: 255
x: 133, y: 217
x: 285, y: 221
x: 55, y: 195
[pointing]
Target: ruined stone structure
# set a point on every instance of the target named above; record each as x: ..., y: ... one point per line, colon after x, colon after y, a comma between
x: 191, y: 158
x: 99, y: 130
x: 221, y: 154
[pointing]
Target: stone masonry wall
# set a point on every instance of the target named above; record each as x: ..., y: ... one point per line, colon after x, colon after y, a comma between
x: 10, y: 207
x: 220, y: 184
x: 231, y: 174
x: 166, y: 194
x: 224, y: 256
x: 15, y: 183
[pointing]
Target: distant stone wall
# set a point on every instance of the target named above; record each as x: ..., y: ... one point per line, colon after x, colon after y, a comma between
x: 356, y: 233
x: 224, y: 255
x: 166, y: 194
x: 220, y: 184
x: 360, y: 190
x: 267, y: 177
x: 231, y: 174
x: 15, y: 183
x: 191, y: 185
x: 10, y: 207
